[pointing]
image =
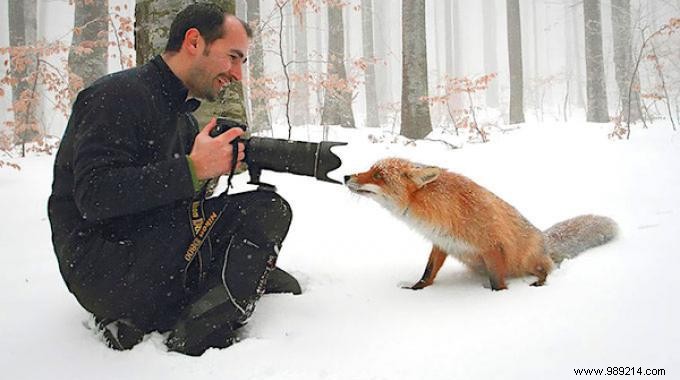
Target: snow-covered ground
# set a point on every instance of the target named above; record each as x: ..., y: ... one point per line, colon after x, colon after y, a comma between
x: 614, y: 305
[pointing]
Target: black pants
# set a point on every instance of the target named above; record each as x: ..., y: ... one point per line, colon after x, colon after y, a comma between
x: 146, y: 280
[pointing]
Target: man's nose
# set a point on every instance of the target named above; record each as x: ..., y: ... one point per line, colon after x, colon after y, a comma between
x: 235, y: 71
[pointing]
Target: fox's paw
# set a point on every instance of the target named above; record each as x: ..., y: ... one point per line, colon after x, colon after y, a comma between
x: 417, y: 286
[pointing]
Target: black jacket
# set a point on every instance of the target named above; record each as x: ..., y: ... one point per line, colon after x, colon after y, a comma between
x: 122, y: 158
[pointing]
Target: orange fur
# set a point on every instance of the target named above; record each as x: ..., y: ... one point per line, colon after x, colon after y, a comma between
x: 465, y: 220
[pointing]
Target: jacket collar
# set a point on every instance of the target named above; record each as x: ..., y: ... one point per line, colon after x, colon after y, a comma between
x: 173, y: 89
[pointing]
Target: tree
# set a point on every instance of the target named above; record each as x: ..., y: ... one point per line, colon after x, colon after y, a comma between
x: 23, y: 61
x: 337, y: 104
x: 457, y: 37
x: 596, y: 91
x: 17, y: 38
x: 623, y: 39
x: 574, y: 93
x: 372, y: 112
x: 448, y: 39
x: 259, y: 115
x: 88, y: 56
x: 515, y: 62
x: 490, y: 54
x: 300, y: 114
x: 415, y: 111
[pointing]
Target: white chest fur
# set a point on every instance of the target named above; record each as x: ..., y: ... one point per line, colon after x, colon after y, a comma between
x: 439, y: 237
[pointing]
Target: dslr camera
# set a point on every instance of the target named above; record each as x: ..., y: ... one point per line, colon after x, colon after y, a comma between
x: 284, y: 156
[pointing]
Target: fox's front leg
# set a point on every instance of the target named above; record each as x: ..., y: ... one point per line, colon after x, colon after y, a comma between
x: 434, y: 264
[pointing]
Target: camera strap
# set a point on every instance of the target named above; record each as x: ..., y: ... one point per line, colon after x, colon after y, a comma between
x: 201, y: 226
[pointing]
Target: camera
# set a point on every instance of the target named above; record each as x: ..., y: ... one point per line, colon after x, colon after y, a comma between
x: 285, y: 156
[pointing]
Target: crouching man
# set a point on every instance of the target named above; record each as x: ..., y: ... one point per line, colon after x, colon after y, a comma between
x: 126, y: 202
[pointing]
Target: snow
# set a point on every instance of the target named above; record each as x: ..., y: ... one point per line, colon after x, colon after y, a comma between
x: 611, y: 306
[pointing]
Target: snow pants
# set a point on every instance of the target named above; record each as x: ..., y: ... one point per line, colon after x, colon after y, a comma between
x: 146, y: 280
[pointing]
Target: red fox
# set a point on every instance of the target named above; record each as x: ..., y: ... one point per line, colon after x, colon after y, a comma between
x: 467, y: 221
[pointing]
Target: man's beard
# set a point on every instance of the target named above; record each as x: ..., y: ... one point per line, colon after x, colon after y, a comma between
x: 201, y: 86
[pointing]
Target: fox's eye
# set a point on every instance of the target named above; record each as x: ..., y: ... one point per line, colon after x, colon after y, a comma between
x: 377, y: 175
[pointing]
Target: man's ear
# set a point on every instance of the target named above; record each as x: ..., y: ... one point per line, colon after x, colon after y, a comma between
x: 423, y: 175
x: 193, y: 41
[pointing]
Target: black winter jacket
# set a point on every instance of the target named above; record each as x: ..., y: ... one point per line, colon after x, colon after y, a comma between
x: 122, y: 159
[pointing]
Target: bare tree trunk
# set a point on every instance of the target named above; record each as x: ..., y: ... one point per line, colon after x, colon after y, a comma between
x: 536, y: 35
x: 515, y: 58
x: 575, y: 51
x: 337, y: 105
x: 457, y: 100
x: 17, y: 39
x: 301, y: 67
x: 623, y: 39
x: 458, y: 53
x: 384, y: 50
x: 372, y: 112
x: 259, y: 117
x: 448, y: 38
x: 92, y: 23
x: 415, y: 113
x: 152, y: 24
x: 490, y: 53
x: 22, y: 33
x: 596, y: 91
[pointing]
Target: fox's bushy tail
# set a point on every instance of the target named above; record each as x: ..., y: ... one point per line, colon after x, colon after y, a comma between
x: 567, y: 239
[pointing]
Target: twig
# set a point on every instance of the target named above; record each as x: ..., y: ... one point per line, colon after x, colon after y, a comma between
x: 663, y: 86
x: 441, y: 141
x: 120, y: 51
x: 285, y: 66
x: 632, y: 78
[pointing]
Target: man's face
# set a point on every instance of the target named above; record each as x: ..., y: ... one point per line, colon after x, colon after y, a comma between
x: 220, y: 62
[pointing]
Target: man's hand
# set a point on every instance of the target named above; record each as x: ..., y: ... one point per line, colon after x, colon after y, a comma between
x: 212, y: 156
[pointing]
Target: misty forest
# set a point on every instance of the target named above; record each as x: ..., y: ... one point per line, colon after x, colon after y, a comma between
x: 559, y: 107
x: 469, y: 68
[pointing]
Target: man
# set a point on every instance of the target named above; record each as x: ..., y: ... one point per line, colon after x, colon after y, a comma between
x: 127, y: 204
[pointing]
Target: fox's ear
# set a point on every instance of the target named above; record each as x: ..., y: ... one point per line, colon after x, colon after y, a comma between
x: 424, y: 175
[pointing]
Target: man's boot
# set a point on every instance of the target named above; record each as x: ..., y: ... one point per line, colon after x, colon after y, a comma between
x: 120, y: 334
x: 280, y: 281
x: 227, y: 298
x: 210, y: 321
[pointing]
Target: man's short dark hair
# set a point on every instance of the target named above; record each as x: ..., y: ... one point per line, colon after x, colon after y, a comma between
x: 206, y: 17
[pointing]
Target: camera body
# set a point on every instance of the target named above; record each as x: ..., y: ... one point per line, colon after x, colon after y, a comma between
x: 285, y: 156
x: 224, y: 124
